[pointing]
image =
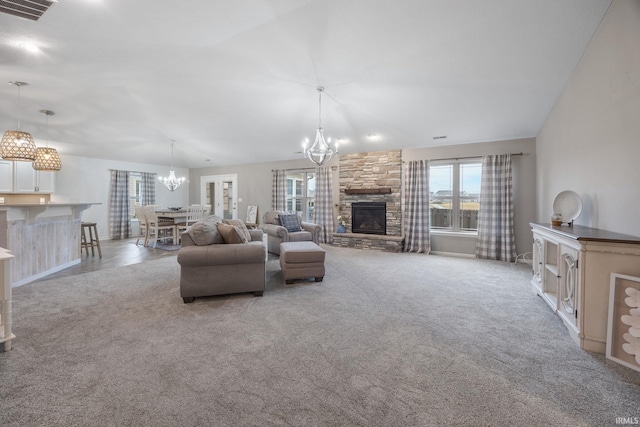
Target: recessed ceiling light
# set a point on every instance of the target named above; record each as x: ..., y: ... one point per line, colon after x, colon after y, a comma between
x: 30, y: 47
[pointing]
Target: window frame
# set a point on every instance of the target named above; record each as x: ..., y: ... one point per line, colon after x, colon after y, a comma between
x: 135, y: 184
x: 306, y: 202
x: 456, y: 197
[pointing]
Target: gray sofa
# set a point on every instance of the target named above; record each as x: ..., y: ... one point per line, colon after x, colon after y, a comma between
x: 209, y: 266
x: 278, y: 234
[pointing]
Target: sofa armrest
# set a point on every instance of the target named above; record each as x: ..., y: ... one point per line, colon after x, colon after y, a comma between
x: 256, y: 235
x: 314, y: 229
x: 221, y: 254
x: 186, y: 240
x: 275, y: 231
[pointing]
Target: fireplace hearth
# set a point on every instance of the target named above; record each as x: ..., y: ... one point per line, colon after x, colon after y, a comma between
x: 369, y: 218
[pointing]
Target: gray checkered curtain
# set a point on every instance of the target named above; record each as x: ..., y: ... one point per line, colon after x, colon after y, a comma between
x: 495, y: 218
x: 148, y: 190
x: 119, y: 220
x: 416, y: 212
x: 278, y: 190
x: 323, y: 207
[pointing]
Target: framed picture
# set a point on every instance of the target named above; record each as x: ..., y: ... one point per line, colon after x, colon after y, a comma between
x: 252, y: 214
x: 623, y: 327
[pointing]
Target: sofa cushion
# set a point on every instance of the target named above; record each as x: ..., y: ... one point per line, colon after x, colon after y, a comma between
x: 241, y: 225
x: 205, y: 232
x: 290, y: 221
x: 231, y: 233
x: 300, y: 236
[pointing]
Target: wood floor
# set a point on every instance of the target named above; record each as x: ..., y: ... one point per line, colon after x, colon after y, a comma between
x: 115, y: 253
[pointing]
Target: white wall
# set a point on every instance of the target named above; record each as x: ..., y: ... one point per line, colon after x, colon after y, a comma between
x: 254, y: 185
x: 524, y: 188
x: 83, y: 179
x: 590, y: 143
x: 254, y: 182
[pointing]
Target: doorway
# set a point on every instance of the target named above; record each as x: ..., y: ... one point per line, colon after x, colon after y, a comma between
x: 221, y: 193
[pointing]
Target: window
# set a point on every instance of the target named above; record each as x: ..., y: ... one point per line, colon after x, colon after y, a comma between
x: 455, y: 195
x: 301, y: 192
x: 135, y: 189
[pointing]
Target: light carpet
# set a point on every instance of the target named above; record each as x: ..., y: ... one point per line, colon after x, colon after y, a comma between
x: 385, y: 340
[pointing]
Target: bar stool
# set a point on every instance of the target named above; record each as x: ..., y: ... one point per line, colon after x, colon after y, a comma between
x: 93, y: 239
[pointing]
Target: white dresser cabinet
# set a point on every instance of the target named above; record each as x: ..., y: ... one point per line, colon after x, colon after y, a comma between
x: 572, y: 268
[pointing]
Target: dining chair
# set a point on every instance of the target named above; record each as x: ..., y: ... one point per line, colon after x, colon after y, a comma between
x: 142, y: 225
x: 158, y: 228
x: 195, y: 213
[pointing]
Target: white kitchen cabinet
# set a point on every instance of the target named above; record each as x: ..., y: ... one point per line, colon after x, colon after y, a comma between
x: 45, y: 182
x: 24, y: 179
x: 572, y: 267
x: 6, y: 176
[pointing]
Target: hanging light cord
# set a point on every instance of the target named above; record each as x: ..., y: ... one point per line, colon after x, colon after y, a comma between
x: 320, y: 89
x: 19, y: 84
x: 172, y: 154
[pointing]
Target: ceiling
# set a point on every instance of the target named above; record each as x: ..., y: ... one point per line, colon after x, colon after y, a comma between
x: 235, y: 81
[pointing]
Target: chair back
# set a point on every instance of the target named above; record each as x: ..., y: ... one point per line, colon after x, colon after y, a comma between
x: 142, y: 219
x: 150, y: 215
x: 195, y: 213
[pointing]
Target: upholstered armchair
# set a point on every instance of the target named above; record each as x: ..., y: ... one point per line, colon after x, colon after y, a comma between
x: 287, y: 227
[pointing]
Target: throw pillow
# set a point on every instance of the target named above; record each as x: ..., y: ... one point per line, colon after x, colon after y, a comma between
x: 290, y: 221
x: 231, y: 233
x: 271, y: 217
x: 241, y: 225
x: 205, y: 233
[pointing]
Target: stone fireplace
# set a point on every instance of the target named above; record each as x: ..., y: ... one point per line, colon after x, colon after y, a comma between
x: 371, y: 181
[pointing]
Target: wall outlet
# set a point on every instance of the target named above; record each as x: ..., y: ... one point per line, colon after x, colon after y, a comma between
x: 1, y: 199
x: 42, y: 200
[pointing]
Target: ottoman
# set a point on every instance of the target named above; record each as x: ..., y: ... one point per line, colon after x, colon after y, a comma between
x: 299, y: 260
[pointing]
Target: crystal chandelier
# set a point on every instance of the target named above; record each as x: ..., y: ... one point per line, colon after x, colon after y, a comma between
x: 320, y: 150
x: 171, y: 182
x: 15, y: 144
x: 47, y: 159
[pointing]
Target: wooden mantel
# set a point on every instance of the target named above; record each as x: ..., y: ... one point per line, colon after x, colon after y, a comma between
x: 380, y: 190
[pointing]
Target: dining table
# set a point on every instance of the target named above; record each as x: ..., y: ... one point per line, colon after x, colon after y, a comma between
x: 177, y: 215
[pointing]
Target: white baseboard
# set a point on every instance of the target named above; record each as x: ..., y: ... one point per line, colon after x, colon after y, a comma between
x: 453, y: 254
x: 44, y: 273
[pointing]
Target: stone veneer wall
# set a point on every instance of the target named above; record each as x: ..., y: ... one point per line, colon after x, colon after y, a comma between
x: 374, y: 170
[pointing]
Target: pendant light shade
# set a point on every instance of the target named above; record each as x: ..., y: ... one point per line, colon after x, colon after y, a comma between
x: 15, y: 144
x: 47, y: 159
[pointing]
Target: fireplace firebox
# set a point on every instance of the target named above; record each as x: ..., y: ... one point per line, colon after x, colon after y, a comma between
x: 369, y: 218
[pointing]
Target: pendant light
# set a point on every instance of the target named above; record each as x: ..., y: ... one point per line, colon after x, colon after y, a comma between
x: 47, y: 159
x: 15, y: 144
x: 172, y: 183
x: 320, y: 150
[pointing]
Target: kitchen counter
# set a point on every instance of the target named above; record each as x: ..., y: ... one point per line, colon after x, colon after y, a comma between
x: 44, y: 238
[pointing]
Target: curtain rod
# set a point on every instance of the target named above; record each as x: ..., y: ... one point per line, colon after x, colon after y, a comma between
x: 468, y: 157
x: 294, y: 169
x: 155, y: 173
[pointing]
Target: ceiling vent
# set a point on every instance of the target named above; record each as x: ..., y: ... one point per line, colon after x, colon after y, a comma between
x: 29, y: 9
